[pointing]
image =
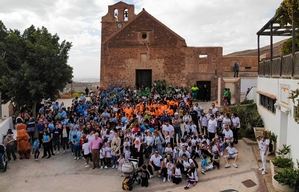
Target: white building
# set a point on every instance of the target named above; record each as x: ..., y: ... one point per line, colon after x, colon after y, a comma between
x: 278, y: 111
x: 276, y: 79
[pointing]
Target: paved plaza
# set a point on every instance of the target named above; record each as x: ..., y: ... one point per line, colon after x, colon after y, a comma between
x: 63, y: 173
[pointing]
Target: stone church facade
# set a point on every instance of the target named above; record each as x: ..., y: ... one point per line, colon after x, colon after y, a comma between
x: 138, y: 49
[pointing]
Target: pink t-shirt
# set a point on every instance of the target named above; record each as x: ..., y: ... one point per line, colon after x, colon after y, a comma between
x: 95, y: 143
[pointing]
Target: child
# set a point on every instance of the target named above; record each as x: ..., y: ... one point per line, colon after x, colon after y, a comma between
x: 121, y: 161
x: 76, y: 144
x: 144, y: 176
x: 175, y: 153
x: 168, y: 150
x: 167, y: 137
x: 86, y: 152
x: 108, y: 155
x: 102, y: 156
x: 35, y: 148
x: 192, y: 177
x: 216, y: 160
x: 127, y: 152
x: 205, y: 166
x: 177, y: 177
x: 169, y: 166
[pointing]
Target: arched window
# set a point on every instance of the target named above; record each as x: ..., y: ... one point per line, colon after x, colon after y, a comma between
x: 115, y: 14
x: 126, y: 15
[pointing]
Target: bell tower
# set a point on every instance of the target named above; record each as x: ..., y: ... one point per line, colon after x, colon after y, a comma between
x: 117, y: 17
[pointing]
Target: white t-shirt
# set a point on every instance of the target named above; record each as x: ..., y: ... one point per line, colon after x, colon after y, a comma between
x: 156, y: 160
x: 181, y: 153
x: 231, y: 150
x: 226, y: 121
x: 236, y: 122
x: 212, y: 126
x: 86, y: 149
x: 187, y: 163
x: 177, y: 173
x: 204, y: 121
x: 168, y: 150
x: 214, y: 110
x: 149, y: 140
x: 228, y: 134
x: 168, y: 128
x: 263, y: 144
x: 169, y: 166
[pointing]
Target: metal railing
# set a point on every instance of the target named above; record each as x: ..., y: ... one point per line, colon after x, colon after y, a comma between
x: 281, y: 67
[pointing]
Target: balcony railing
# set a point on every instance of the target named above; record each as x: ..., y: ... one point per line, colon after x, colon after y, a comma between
x: 281, y: 67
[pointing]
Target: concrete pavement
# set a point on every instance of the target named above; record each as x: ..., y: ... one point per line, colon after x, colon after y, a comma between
x: 63, y: 173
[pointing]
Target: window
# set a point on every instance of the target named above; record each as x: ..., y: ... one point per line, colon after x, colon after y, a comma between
x: 203, y: 56
x: 143, y: 57
x: 247, y: 68
x: 268, y: 103
x: 115, y: 14
x: 296, y: 113
x: 126, y: 15
x: 144, y: 36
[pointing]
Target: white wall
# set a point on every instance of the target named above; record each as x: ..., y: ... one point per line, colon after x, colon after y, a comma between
x: 247, y: 82
x: 4, y: 126
x: 5, y: 110
x: 286, y: 129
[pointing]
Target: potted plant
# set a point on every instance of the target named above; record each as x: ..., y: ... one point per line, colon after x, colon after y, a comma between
x: 285, y: 179
x: 282, y: 160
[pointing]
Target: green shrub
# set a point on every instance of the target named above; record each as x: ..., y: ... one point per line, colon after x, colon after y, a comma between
x: 287, y: 176
x: 284, y: 151
x: 282, y: 162
x: 247, y: 102
x: 249, y: 118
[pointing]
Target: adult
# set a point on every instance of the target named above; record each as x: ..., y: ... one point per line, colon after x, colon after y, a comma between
x: 228, y: 136
x: 235, y: 127
x: 264, y: 147
x: 115, y: 146
x: 9, y: 143
x: 168, y: 131
x: 214, y: 108
x: 212, y: 127
x: 156, y: 161
x: 236, y: 69
x: 46, y: 144
x: 232, y: 153
x: 31, y: 128
x: 23, y: 145
x: 86, y: 92
x: 176, y: 122
x: 95, y: 146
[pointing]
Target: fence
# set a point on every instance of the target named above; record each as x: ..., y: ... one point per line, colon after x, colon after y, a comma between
x: 281, y: 67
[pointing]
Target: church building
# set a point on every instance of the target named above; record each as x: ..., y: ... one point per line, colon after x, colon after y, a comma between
x: 137, y: 50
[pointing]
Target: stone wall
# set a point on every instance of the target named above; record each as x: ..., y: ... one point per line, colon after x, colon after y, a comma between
x: 248, y: 65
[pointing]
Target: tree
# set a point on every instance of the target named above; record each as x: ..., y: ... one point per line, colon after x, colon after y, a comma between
x: 286, y: 10
x: 33, y: 65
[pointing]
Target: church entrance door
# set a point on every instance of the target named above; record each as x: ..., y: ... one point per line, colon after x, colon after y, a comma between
x: 143, y: 78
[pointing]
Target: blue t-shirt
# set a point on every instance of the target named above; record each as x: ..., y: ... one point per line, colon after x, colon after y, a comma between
x: 46, y: 138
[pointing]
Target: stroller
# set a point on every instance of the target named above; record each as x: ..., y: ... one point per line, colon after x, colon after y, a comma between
x: 132, y: 174
x: 3, y: 158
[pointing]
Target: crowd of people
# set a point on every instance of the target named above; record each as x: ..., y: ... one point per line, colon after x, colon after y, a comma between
x: 171, y: 137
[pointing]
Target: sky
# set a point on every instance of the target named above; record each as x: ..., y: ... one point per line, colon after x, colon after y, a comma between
x: 231, y: 24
